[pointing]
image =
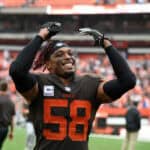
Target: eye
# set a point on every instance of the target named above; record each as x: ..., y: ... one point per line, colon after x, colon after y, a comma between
x: 70, y: 53
x: 59, y: 54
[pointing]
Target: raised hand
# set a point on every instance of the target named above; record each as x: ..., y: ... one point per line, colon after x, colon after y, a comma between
x: 52, y: 28
x: 98, y: 37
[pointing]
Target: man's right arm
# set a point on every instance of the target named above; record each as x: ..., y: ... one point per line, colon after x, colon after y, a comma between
x: 25, y: 82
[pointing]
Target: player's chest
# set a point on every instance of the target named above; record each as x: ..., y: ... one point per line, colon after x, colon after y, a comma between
x: 65, y: 100
x: 72, y: 91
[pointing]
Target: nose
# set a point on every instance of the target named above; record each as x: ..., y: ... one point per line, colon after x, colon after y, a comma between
x: 67, y: 55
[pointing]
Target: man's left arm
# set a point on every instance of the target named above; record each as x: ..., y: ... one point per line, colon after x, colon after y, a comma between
x: 113, y: 89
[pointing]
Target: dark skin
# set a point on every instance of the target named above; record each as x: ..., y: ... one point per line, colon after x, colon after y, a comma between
x: 62, y: 63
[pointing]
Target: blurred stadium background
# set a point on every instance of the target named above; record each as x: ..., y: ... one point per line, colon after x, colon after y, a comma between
x: 127, y: 22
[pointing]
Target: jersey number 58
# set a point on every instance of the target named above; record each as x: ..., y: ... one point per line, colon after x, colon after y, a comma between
x: 65, y: 127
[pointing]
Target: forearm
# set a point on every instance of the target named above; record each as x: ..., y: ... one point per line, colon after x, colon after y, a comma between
x: 25, y: 59
x: 19, y: 69
x: 119, y: 64
x: 125, y: 81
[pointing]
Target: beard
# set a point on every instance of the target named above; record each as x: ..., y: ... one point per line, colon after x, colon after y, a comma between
x: 67, y: 75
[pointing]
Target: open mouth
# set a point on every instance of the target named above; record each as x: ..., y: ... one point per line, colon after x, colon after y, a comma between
x: 68, y: 64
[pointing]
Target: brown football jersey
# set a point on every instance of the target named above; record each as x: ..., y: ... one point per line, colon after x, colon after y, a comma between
x: 63, y: 115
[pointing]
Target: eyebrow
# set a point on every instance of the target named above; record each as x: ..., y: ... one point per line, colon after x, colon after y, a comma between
x: 59, y: 51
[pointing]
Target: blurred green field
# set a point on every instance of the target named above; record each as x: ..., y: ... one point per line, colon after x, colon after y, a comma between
x: 95, y: 143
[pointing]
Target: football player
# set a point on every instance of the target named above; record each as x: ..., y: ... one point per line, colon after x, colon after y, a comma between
x: 62, y: 104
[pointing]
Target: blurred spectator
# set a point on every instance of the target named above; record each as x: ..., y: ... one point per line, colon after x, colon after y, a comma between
x: 140, y: 1
x: 133, y: 125
x: 145, y: 102
x: 29, y: 3
x: 7, y: 112
x: 30, y: 135
x: 97, y: 2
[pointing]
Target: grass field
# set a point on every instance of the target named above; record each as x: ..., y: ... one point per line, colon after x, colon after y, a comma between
x: 95, y: 143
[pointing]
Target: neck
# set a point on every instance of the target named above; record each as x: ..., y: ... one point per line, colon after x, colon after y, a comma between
x: 66, y: 81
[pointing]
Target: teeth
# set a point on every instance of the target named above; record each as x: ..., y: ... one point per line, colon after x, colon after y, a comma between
x: 68, y: 65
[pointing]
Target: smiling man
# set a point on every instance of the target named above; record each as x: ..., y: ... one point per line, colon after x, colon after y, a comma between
x: 63, y: 105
